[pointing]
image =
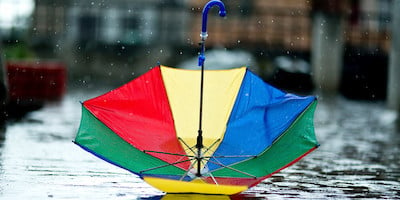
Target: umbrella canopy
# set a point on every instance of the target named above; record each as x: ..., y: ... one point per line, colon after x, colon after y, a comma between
x: 149, y: 127
x: 221, y: 136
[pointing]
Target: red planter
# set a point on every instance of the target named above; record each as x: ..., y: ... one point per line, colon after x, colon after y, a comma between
x: 36, y: 81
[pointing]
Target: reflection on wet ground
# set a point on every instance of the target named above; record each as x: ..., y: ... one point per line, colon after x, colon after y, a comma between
x: 359, y: 157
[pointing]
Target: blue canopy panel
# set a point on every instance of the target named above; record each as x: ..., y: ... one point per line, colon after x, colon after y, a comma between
x: 260, y: 115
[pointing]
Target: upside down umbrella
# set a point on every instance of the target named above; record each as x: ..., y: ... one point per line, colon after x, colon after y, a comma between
x: 199, y: 131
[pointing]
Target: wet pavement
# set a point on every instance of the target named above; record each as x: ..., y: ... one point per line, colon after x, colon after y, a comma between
x: 359, y: 157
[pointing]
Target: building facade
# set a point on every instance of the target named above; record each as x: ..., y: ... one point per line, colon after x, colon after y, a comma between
x: 284, y: 24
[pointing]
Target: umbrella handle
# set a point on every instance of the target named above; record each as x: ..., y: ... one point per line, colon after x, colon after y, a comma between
x: 207, y: 7
x: 203, y: 34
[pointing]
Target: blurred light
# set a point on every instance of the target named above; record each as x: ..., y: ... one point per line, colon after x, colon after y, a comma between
x: 14, y: 13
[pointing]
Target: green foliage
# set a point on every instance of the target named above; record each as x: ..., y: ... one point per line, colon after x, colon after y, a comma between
x: 17, y: 51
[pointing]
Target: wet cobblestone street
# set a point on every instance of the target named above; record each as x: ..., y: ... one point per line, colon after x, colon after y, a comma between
x: 359, y: 157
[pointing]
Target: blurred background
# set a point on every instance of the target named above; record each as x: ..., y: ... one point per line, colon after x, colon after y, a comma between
x: 55, y: 53
x: 285, y: 42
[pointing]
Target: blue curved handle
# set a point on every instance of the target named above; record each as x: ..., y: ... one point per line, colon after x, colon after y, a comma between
x: 210, y: 4
x: 203, y: 34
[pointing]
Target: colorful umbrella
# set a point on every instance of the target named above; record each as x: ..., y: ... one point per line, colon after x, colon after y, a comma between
x: 221, y: 136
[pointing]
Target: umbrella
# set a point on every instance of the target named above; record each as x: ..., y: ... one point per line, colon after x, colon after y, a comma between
x: 190, y: 197
x: 199, y: 131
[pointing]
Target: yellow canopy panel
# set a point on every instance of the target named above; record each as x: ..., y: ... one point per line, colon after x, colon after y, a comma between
x: 183, y: 90
x: 197, y: 187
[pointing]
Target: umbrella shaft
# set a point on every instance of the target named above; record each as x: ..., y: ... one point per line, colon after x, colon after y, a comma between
x: 199, y: 156
x: 199, y: 144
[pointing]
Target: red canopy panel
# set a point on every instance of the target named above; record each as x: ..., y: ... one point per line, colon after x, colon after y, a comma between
x: 139, y: 113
